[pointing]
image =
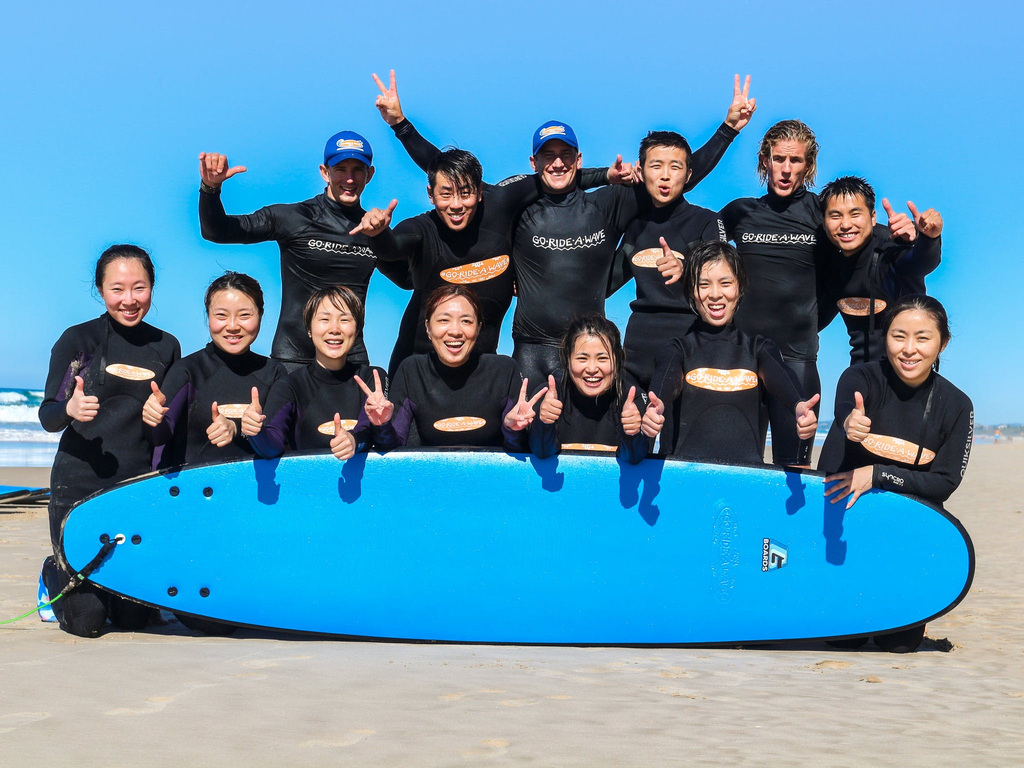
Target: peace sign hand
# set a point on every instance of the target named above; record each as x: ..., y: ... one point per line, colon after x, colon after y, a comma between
x: 343, y: 444
x: 928, y: 223
x: 80, y: 406
x: 654, y: 416
x: 669, y: 264
x: 378, y: 408
x: 153, y: 409
x: 857, y: 425
x: 375, y: 220
x: 806, y: 418
x: 742, y: 108
x: 253, y: 418
x: 214, y: 170
x: 551, y: 406
x: 520, y: 417
x: 620, y: 172
x: 388, y: 104
x: 631, y: 421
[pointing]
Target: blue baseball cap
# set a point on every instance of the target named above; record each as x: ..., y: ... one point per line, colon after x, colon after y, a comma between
x: 346, y: 144
x: 553, y: 129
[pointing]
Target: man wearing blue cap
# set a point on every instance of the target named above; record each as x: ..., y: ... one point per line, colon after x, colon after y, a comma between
x: 316, y: 247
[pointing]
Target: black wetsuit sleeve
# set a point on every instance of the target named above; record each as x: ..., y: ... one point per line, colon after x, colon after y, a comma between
x: 279, y: 424
x: 621, y: 272
x: 60, y: 383
x: 633, y: 448
x: 706, y: 158
x: 922, y: 259
x: 383, y: 437
x: 175, y: 388
x: 667, y: 382
x: 389, y: 246
x: 218, y: 227
x: 514, y: 441
x: 419, y: 149
x: 396, y: 431
x: 591, y: 178
x: 543, y: 437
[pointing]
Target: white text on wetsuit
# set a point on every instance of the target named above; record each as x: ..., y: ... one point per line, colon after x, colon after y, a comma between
x: 785, y: 239
x: 352, y: 250
x: 569, y: 243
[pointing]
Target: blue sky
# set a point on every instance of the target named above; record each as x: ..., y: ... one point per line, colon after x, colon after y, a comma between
x: 108, y: 105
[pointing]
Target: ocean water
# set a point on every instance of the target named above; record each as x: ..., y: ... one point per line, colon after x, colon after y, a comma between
x: 23, y: 442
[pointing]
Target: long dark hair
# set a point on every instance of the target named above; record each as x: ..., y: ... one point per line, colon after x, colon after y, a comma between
x: 708, y: 253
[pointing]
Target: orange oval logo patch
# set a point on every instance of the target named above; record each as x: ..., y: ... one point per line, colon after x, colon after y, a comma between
x: 721, y: 380
x: 327, y: 428
x: 858, y: 307
x: 477, y: 272
x: 896, y: 449
x: 459, y: 424
x: 648, y: 257
x: 235, y: 410
x: 588, y: 447
x: 130, y: 372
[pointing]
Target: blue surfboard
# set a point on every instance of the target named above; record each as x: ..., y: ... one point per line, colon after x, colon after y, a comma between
x: 15, y: 493
x: 483, y: 546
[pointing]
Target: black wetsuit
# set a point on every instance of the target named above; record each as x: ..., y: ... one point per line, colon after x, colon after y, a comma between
x: 316, y: 251
x: 478, y: 255
x: 660, y: 312
x: 563, y: 248
x: 589, y: 423
x: 920, y: 443
x: 783, y: 245
x: 191, y: 387
x: 720, y: 375
x: 439, y: 405
x: 116, y: 363
x: 884, y: 270
x: 301, y: 406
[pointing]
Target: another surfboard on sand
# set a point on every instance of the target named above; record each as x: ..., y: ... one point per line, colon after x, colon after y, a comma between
x: 10, y: 494
x: 483, y: 546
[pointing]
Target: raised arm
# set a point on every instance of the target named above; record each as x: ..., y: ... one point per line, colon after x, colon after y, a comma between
x: 216, y: 225
x: 741, y: 109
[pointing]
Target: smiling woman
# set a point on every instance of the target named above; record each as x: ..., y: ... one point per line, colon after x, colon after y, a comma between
x: 452, y: 395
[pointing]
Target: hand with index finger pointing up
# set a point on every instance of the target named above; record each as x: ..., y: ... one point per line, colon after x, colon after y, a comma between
x: 375, y: 220
x: 668, y: 263
x: 620, y: 172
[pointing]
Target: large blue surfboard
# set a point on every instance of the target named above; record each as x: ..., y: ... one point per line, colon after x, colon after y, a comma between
x: 483, y: 546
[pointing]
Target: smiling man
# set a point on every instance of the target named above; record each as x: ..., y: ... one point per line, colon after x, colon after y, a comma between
x: 873, y: 266
x: 317, y: 249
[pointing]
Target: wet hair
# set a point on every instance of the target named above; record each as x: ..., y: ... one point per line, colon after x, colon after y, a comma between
x: 239, y: 282
x: 600, y: 327
x: 342, y: 297
x: 788, y: 130
x: 460, y: 166
x: 703, y: 255
x: 664, y: 139
x: 848, y: 186
x: 123, y: 251
x: 918, y: 302
x: 443, y: 293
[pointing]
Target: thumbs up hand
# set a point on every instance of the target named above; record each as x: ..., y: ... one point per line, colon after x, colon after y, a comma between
x: 631, y: 421
x: 654, y: 416
x: 857, y: 425
x: 222, y: 430
x: 253, y: 418
x: 551, y: 406
x: 806, y: 418
x: 343, y: 444
x: 80, y: 406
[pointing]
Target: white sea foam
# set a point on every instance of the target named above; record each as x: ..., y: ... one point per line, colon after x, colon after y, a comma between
x: 14, y: 435
x: 8, y: 398
x: 19, y: 414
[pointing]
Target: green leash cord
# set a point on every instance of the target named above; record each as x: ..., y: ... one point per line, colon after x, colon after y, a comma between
x: 80, y: 576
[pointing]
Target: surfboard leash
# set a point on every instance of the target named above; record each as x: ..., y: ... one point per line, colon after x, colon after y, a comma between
x: 77, y: 579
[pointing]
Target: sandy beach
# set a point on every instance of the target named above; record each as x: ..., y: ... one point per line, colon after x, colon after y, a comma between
x: 166, y: 697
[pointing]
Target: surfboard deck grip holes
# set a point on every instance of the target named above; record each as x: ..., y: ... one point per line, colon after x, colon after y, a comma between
x: 207, y: 491
x: 175, y: 490
x: 136, y: 539
x: 104, y: 538
x: 172, y: 591
x: 204, y: 592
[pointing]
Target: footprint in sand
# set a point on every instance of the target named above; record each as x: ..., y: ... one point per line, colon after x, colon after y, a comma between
x: 831, y: 664
x: 15, y: 720
x: 348, y: 740
x: 494, y: 748
x: 871, y: 679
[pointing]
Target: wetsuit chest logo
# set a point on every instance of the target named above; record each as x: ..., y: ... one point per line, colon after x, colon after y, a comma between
x: 722, y: 380
x: 858, y: 307
x: 648, y: 257
x: 588, y: 447
x: 477, y: 272
x: 327, y: 428
x: 130, y: 372
x: 459, y: 424
x: 896, y: 449
x: 233, y: 410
